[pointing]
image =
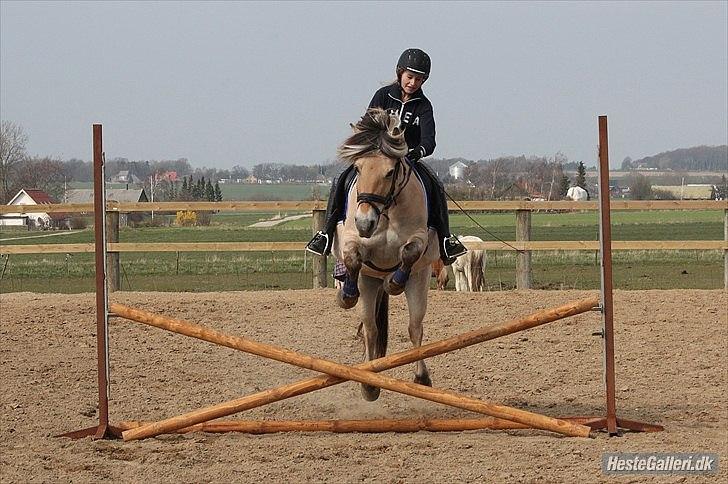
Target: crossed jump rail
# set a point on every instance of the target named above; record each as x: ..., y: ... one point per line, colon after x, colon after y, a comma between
x: 501, y: 416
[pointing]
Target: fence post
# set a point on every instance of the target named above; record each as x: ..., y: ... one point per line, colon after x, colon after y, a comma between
x: 319, y: 262
x: 725, y: 252
x: 113, y: 274
x: 523, y: 259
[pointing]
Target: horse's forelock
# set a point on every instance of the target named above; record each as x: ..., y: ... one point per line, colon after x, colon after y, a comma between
x: 376, y: 131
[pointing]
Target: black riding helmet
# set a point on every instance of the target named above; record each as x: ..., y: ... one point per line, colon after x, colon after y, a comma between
x: 414, y: 60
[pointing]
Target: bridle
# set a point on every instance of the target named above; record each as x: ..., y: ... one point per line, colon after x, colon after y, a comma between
x: 374, y: 199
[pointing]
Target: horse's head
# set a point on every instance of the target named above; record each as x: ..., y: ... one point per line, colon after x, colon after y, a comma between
x: 376, y: 149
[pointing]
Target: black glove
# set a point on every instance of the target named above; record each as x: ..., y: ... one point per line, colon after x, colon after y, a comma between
x: 414, y: 155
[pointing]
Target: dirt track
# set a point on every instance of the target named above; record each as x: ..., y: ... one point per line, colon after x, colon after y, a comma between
x: 671, y: 369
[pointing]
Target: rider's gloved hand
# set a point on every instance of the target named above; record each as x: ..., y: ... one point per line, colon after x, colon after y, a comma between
x: 414, y: 155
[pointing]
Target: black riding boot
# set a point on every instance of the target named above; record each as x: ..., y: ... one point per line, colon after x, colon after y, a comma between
x: 323, y: 240
x: 450, y: 247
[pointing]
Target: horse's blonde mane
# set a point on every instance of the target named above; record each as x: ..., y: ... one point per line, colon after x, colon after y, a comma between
x: 375, y: 131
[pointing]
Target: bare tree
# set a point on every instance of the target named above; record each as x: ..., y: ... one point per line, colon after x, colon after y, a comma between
x: 12, y: 152
x: 640, y: 187
x: 45, y: 173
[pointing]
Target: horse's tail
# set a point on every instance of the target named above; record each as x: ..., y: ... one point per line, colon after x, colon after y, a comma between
x: 382, y: 319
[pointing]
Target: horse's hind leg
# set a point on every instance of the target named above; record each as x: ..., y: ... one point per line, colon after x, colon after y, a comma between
x: 375, y: 324
x: 416, y: 294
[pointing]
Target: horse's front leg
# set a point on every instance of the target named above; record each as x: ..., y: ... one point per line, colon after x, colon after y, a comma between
x: 348, y: 295
x: 416, y: 294
x: 409, y: 254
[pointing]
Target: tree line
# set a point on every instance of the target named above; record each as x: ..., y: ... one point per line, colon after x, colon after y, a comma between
x: 500, y: 178
x: 697, y: 158
x: 505, y: 177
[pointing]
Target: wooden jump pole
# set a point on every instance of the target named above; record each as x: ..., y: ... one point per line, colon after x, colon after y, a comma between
x: 346, y: 372
x: 361, y: 372
x: 351, y: 426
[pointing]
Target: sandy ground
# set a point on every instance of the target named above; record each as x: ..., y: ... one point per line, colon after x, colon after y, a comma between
x: 671, y: 369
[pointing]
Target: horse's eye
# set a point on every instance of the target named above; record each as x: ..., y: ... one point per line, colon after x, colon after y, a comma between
x: 389, y: 173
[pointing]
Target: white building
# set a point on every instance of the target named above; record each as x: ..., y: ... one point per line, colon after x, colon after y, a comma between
x: 457, y: 170
x: 31, y: 196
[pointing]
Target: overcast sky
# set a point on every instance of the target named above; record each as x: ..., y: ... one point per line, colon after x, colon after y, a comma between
x: 244, y: 82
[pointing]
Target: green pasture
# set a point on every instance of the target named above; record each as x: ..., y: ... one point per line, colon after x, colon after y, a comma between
x: 201, y: 271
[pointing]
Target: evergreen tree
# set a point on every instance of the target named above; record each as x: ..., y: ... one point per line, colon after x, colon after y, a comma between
x: 184, y: 184
x: 218, y: 192
x: 564, y: 186
x: 581, y: 176
x: 201, y: 188
x: 209, y: 192
x: 192, y: 189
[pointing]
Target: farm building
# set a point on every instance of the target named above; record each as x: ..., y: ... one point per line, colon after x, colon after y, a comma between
x: 33, y: 196
x: 125, y: 176
x: 457, y: 170
x: 86, y: 195
x: 688, y: 192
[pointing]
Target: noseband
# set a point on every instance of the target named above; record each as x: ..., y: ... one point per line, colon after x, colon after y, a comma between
x: 373, y: 199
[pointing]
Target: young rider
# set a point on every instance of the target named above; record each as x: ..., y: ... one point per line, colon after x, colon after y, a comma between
x: 405, y: 98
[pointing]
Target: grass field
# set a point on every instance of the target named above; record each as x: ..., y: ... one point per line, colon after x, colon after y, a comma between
x: 195, y: 271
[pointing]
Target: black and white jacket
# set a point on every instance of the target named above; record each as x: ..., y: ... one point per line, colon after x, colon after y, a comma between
x: 415, y: 116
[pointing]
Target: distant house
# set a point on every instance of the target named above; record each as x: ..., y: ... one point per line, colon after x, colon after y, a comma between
x: 125, y: 176
x: 688, y: 192
x: 86, y: 195
x: 33, y: 196
x: 457, y: 170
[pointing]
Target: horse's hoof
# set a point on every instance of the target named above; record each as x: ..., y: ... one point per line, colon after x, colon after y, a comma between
x: 346, y: 302
x: 370, y: 393
x: 423, y: 380
x: 392, y: 288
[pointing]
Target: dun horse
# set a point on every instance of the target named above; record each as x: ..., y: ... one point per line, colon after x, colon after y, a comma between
x: 384, y: 241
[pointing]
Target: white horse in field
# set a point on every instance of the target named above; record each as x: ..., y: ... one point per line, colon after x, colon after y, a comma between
x: 469, y: 269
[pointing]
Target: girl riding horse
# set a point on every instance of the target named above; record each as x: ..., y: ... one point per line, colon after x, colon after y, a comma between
x: 405, y: 99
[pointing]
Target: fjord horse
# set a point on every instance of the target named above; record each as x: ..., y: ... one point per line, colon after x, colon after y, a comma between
x: 384, y: 240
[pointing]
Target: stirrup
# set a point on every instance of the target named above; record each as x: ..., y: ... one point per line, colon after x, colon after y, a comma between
x: 319, y: 244
x: 453, y: 248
